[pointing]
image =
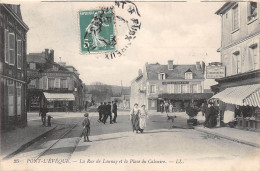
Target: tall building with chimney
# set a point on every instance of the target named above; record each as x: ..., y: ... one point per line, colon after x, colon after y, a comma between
x: 176, y: 84
x: 12, y: 66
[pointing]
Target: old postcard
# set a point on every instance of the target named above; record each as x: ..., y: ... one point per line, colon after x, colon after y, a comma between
x: 130, y: 85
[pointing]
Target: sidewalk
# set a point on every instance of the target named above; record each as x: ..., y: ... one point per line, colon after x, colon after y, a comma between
x: 17, y: 140
x: 241, y: 136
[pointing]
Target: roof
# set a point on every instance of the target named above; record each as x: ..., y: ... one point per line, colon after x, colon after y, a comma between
x: 225, y: 7
x: 178, y: 71
x: 36, y: 57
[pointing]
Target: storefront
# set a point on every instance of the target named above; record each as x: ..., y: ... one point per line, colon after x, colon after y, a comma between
x: 180, y: 101
x: 240, y: 105
x: 59, y: 101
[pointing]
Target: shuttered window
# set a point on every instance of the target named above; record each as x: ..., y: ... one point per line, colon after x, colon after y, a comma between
x: 235, y: 18
x: 19, y: 54
x: 11, y: 48
x: 6, y: 46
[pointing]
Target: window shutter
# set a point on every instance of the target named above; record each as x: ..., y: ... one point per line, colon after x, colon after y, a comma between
x: 6, y: 46
x: 188, y: 88
x: 11, y: 48
x: 148, y: 89
x: 250, y: 59
x: 199, y: 88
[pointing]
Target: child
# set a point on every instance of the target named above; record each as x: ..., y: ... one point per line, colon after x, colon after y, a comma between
x: 86, y: 125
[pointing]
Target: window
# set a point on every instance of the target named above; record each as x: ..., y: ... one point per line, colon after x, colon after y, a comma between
x: 63, y: 83
x: 11, y: 48
x: 57, y: 83
x: 10, y: 98
x: 183, y: 88
x: 162, y: 76
x: 51, y: 83
x: 32, y: 66
x: 236, y: 62
x: 153, y: 89
x: 19, y: 54
x: 252, y: 11
x: 194, y: 88
x: 188, y: 75
x: 19, y: 99
x: 6, y: 46
x: 253, y: 57
x: 170, y: 88
x: 235, y: 18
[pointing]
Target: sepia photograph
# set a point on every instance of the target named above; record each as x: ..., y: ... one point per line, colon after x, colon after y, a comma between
x: 129, y: 85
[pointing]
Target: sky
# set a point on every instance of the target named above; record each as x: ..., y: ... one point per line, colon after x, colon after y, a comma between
x: 184, y: 32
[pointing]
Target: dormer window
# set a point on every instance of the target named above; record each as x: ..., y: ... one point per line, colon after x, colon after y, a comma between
x: 162, y: 76
x: 188, y: 74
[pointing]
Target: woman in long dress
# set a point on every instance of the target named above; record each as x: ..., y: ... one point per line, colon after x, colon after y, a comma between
x: 134, y: 118
x: 142, y: 118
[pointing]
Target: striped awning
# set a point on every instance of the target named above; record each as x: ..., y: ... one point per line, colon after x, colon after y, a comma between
x: 241, y: 95
x: 59, y: 96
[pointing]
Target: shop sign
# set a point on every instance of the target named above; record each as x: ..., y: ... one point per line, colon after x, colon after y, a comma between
x: 176, y: 82
x: 213, y: 72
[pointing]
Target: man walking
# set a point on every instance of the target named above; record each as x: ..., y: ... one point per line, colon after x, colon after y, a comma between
x: 114, y: 110
x: 108, y: 113
x: 104, y: 110
x: 99, y: 109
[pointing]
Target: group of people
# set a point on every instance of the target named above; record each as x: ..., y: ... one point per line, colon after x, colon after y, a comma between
x: 138, y: 118
x: 105, y: 110
x: 166, y: 106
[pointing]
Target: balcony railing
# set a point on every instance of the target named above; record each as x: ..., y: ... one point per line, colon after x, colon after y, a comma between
x: 58, y: 89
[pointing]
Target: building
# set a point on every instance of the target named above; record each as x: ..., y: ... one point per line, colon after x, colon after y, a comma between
x: 238, y: 92
x: 53, y: 84
x: 177, y: 84
x: 123, y: 101
x: 12, y: 66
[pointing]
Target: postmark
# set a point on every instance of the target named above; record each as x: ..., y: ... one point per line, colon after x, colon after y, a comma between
x: 97, y: 31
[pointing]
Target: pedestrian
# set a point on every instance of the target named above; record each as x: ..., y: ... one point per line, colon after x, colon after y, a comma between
x: 114, y: 110
x: 43, y: 112
x: 104, y: 110
x: 211, y: 116
x: 67, y: 108
x: 143, y: 115
x: 166, y: 106
x: 171, y: 107
x: 108, y: 113
x: 86, y: 126
x: 134, y: 118
x: 162, y: 107
x: 203, y: 108
x: 99, y: 109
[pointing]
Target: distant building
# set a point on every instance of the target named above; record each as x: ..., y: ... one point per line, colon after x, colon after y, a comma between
x: 177, y: 84
x: 123, y: 101
x: 238, y: 92
x: 53, y: 84
x: 13, y: 42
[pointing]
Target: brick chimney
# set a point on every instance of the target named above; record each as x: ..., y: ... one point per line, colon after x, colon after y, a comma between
x: 198, y: 66
x: 170, y: 64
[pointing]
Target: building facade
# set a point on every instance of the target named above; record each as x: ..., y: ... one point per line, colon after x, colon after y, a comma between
x: 52, y: 84
x: 176, y: 84
x: 238, y: 91
x: 12, y: 66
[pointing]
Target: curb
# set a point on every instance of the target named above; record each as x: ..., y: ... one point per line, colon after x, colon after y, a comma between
x: 229, y: 138
x: 24, y: 146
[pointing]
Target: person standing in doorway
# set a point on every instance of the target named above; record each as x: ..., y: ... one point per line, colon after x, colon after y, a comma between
x: 162, y: 107
x: 114, y: 111
x: 67, y: 108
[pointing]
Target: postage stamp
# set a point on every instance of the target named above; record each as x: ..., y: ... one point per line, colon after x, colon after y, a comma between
x: 97, y: 32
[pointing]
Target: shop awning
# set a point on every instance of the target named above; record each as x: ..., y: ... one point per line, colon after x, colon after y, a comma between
x: 59, y: 96
x: 241, y: 95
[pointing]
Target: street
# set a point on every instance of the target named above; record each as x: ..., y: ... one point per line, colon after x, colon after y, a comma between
x: 115, y: 143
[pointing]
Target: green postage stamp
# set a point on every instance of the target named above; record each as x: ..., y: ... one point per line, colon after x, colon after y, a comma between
x: 97, y: 32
